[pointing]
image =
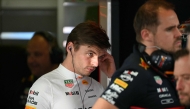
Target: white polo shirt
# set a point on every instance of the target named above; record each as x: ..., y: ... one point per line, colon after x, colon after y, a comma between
x: 60, y: 90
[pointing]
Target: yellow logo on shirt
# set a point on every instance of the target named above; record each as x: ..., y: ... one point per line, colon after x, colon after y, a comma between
x: 143, y: 64
x: 29, y: 107
x: 121, y: 83
x: 84, y: 82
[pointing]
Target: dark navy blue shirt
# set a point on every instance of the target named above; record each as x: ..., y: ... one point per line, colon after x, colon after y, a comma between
x: 137, y: 86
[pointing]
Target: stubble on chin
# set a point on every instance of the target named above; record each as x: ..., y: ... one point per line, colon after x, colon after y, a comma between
x: 185, y: 101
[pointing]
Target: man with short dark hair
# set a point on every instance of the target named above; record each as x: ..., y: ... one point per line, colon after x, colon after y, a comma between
x: 69, y: 86
x: 182, y: 75
x: 141, y: 82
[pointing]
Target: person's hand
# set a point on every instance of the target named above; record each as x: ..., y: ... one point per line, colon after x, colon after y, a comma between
x: 107, y: 64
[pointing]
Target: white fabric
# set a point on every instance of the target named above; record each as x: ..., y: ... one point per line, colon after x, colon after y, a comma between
x: 51, y: 92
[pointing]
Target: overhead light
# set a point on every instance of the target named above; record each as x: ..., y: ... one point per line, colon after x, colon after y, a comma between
x: 16, y: 35
x: 67, y: 30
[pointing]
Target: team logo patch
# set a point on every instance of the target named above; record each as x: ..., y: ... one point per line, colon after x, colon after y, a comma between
x: 162, y: 89
x: 163, y: 59
x: 127, y: 75
x: 110, y: 95
x: 143, y: 64
x: 121, y: 83
x: 72, y: 93
x: 84, y: 82
x: 31, y: 100
x: 158, y: 80
x: 116, y: 87
x: 167, y: 101
x: 69, y: 83
x: 29, y: 107
x: 33, y: 92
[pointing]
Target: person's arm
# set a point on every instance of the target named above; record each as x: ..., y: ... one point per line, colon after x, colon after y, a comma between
x: 124, y: 90
x: 39, y: 95
x: 103, y: 104
x: 107, y: 65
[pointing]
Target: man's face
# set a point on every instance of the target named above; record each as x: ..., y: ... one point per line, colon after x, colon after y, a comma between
x: 85, y: 59
x: 167, y: 36
x: 182, y: 76
x: 38, y: 58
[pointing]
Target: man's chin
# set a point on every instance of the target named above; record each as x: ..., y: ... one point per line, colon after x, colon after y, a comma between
x: 185, y: 102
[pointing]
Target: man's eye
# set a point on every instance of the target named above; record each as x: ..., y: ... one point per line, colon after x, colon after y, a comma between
x: 169, y: 29
x: 90, y: 54
x: 187, y: 77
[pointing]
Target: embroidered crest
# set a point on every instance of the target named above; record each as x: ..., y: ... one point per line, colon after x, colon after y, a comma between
x: 69, y: 83
x: 143, y: 64
x: 84, y: 82
x: 158, y: 80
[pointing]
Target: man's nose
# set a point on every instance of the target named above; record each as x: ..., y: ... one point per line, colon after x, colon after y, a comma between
x: 179, y: 84
x: 94, y: 61
x: 178, y: 33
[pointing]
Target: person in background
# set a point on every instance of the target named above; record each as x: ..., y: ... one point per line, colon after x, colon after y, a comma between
x: 43, y: 56
x: 43, y: 52
x: 185, y: 30
x: 69, y: 86
x: 182, y: 75
x: 142, y: 82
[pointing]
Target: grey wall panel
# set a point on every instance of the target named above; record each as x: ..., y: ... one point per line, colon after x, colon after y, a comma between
x: 29, y: 20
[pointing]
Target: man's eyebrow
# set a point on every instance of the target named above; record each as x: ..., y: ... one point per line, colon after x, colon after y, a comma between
x: 185, y: 75
x: 170, y: 27
x: 91, y: 51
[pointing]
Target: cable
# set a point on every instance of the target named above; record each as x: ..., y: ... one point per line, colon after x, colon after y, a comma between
x: 76, y: 79
x: 82, y: 99
x: 87, y: 90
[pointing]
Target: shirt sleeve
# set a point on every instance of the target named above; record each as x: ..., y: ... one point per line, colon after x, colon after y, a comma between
x: 40, y: 95
x: 126, y: 88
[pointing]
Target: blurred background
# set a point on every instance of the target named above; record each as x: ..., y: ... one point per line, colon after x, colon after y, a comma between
x: 19, y: 19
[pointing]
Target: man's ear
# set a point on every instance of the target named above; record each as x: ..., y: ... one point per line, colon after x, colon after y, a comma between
x: 69, y: 46
x: 146, y: 35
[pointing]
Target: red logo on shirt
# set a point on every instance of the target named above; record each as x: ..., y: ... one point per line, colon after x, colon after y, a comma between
x: 158, y: 80
x: 69, y: 83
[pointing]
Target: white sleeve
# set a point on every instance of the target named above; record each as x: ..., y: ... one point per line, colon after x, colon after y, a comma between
x: 40, y: 95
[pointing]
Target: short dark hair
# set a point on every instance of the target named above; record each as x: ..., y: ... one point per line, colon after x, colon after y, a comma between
x: 181, y: 53
x: 48, y: 36
x: 147, y: 16
x: 56, y: 53
x: 89, y: 33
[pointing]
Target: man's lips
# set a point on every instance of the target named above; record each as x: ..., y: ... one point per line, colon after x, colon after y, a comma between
x: 90, y: 69
x: 178, y: 42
